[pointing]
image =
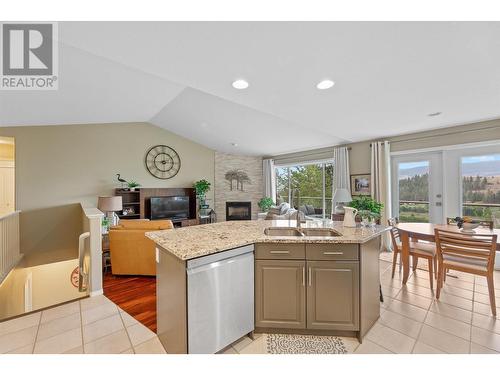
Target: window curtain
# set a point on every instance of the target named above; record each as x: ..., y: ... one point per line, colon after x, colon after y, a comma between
x: 341, y: 176
x: 380, y: 183
x: 269, y: 178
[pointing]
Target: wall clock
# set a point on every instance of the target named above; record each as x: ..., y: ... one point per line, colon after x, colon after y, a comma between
x: 163, y: 162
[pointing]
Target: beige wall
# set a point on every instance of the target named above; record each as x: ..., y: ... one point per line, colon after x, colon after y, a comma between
x: 252, y: 192
x: 57, y: 167
x: 360, y: 151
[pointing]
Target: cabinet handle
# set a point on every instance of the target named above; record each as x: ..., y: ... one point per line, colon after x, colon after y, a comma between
x: 279, y: 252
x: 333, y: 253
x: 303, y: 276
x: 310, y: 276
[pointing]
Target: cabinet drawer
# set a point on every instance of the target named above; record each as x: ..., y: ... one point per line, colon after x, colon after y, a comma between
x: 280, y: 251
x: 332, y: 251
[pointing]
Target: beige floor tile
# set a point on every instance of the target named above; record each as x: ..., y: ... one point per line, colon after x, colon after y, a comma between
x: 418, y: 290
x: 128, y: 320
x: 59, y: 325
x: 369, y: 347
x: 419, y: 281
x: 390, y: 292
x: 460, y: 302
x: 18, y: 324
x: 443, y: 341
x: 489, y: 323
x: 99, y: 312
x: 103, y: 327
x: 28, y: 349
x: 485, y: 298
x: 390, y: 339
x: 92, y: 302
x: 112, y: 344
x: 60, y: 311
x: 257, y: 346
x: 414, y: 299
x: 229, y: 350
x: 351, y: 344
x: 462, y: 276
x: 444, y: 323
x: 484, y: 289
x: 387, y: 302
x: 451, y: 311
x: 77, y: 350
x: 478, y: 349
x: 388, y: 282
x: 485, y: 309
x: 241, y: 343
x: 410, y: 311
x: 458, y: 283
x: 152, y: 346
x: 421, y: 348
x: 128, y: 351
x: 139, y: 333
x: 486, y: 338
x: 17, y: 339
x: 401, y: 324
x: 60, y: 343
x: 459, y: 292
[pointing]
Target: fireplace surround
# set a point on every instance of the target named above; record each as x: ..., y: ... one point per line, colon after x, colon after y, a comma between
x: 238, y: 211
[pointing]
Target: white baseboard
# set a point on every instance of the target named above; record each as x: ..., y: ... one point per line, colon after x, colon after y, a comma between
x: 96, y: 293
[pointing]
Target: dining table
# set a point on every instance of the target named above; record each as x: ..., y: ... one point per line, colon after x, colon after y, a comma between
x: 425, y: 232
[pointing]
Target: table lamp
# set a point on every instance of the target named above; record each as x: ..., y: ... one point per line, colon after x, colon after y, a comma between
x: 341, y: 196
x: 109, y: 205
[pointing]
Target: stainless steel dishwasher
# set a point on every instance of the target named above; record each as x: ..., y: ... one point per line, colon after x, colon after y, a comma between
x: 220, y: 299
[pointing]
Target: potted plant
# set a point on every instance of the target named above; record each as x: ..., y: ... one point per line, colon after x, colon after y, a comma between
x: 368, y: 208
x: 202, y: 187
x: 132, y: 185
x: 265, y: 204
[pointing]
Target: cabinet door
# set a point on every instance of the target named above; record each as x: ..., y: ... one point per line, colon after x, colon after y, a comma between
x: 333, y: 295
x: 280, y: 299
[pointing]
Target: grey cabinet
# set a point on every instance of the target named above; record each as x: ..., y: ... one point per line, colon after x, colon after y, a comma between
x: 280, y: 298
x: 333, y: 295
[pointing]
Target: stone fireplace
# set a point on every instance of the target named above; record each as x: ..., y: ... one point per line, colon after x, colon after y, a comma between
x: 238, y: 211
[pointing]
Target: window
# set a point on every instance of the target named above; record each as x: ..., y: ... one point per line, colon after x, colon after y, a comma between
x: 481, y: 186
x: 307, y: 187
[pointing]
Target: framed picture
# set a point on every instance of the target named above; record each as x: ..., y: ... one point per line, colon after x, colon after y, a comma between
x: 360, y: 184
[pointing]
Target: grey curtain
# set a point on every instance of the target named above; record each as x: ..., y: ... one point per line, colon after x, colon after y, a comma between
x: 269, y: 178
x: 341, y: 176
x: 381, y: 183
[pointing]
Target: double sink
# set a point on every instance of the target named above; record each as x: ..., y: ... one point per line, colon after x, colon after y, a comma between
x: 301, y: 232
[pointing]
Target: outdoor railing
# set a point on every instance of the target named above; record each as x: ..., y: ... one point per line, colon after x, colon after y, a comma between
x: 414, y: 210
x: 10, y: 253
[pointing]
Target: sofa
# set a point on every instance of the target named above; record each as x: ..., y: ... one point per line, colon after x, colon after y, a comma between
x: 132, y: 253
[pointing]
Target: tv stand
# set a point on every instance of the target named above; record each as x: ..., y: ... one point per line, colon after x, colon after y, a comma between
x: 138, y: 201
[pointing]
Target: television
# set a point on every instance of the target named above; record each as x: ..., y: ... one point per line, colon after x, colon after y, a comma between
x: 174, y: 208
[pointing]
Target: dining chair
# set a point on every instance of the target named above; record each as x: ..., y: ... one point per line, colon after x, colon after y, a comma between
x: 470, y: 253
x: 484, y: 223
x: 417, y: 250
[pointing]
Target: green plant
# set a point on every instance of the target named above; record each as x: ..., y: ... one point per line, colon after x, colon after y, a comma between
x: 366, y: 203
x: 265, y: 204
x: 133, y: 184
x: 201, y: 187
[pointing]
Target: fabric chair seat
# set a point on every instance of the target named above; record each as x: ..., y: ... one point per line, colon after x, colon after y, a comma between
x: 477, y: 264
x: 422, y: 248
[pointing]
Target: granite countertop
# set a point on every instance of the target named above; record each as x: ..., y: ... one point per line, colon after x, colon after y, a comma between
x: 196, y: 241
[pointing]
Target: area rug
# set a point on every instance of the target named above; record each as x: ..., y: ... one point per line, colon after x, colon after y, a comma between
x: 304, y: 344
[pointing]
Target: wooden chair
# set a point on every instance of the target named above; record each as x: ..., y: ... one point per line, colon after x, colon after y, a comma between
x: 417, y: 250
x: 484, y: 223
x: 467, y: 253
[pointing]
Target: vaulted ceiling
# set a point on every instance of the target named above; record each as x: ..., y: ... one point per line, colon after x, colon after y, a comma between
x: 177, y: 75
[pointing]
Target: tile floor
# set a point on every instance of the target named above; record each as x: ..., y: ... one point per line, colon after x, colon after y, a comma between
x: 411, y: 321
x: 93, y: 325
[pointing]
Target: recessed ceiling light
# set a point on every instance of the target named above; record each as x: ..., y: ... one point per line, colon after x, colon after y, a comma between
x: 325, y: 84
x: 434, y: 114
x: 240, y: 84
x: 234, y: 144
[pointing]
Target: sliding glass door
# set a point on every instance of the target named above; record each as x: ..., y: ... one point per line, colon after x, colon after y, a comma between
x: 417, y: 188
x: 307, y: 187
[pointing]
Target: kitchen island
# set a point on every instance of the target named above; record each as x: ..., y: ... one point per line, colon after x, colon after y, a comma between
x: 320, y: 279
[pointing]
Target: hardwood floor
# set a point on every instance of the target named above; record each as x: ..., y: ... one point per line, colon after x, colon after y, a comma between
x: 134, y: 294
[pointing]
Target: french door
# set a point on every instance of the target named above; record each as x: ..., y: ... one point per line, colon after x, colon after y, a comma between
x: 417, y: 187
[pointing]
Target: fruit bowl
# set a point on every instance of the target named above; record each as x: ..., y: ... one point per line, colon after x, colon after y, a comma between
x: 469, y: 227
